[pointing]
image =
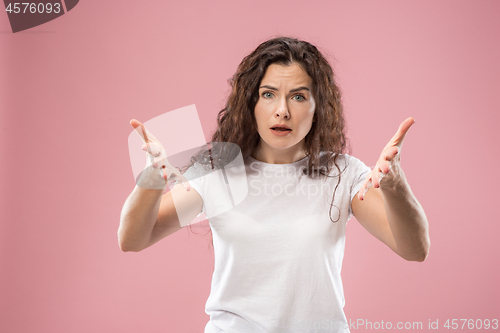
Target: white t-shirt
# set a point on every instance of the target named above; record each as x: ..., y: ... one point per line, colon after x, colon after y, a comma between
x: 278, y: 255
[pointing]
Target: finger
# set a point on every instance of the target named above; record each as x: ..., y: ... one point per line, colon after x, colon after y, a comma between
x: 384, y: 166
x: 154, y: 152
x: 366, y: 188
x: 389, y: 153
x: 376, y: 179
x: 159, y: 162
x: 149, y: 140
x: 163, y: 172
x: 398, y: 138
x: 145, y: 135
x: 141, y: 130
x: 406, y: 124
x: 362, y: 190
x: 154, y: 149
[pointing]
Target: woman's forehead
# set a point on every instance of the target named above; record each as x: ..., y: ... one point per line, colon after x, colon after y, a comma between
x: 277, y: 73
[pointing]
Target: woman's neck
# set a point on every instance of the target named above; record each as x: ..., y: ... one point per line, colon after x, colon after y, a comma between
x: 278, y: 156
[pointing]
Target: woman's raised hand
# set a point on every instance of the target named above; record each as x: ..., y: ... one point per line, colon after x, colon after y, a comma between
x: 158, y: 170
x: 387, y: 171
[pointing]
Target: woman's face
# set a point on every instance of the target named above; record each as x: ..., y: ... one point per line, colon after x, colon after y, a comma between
x: 285, y: 98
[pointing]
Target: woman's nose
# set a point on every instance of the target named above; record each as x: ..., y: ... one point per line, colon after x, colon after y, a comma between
x: 282, y: 110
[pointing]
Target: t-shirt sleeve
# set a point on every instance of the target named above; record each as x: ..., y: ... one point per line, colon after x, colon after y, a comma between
x: 357, y: 175
x: 194, y: 176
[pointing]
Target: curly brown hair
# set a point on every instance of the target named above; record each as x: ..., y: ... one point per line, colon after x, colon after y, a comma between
x: 236, y: 122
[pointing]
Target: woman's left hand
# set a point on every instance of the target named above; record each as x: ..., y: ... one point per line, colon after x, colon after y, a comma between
x: 387, y: 171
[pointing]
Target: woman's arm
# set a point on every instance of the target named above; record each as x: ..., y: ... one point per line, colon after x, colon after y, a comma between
x: 389, y: 210
x: 147, y: 216
x: 397, y: 219
x: 138, y: 217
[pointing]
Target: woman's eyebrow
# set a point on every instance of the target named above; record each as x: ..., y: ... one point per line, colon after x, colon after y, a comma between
x: 293, y: 90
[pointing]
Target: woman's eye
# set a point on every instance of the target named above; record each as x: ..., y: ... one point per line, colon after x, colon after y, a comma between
x: 267, y: 94
x: 300, y: 97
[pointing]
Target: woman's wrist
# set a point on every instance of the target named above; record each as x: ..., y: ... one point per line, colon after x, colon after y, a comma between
x: 150, y: 178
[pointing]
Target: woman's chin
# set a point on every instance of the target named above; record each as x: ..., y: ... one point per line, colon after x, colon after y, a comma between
x: 281, y: 145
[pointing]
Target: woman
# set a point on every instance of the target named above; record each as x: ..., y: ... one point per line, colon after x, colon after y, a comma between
x: 278, y: 253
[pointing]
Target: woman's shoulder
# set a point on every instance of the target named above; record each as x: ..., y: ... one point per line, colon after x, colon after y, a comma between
x: 339, y: 158
x: 341, y: 162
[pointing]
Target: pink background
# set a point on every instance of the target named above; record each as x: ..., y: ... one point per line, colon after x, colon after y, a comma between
x: 68, y: 89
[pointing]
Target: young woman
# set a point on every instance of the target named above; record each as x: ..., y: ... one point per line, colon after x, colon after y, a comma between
x: 278, y: 253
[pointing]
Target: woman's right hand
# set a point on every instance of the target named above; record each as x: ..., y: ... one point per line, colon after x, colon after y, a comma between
x: 158, y: 171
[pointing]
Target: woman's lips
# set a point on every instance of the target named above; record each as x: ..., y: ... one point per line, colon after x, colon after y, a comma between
x: 280, y: 132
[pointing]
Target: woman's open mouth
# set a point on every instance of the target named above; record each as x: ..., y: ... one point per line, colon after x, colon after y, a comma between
x: 280, y: 131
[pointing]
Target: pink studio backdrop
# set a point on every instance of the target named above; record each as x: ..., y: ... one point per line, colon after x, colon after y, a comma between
x: 68, y: 89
